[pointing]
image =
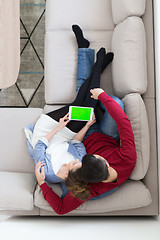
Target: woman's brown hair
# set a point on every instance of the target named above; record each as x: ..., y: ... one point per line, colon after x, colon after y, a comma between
x: 77, y: 185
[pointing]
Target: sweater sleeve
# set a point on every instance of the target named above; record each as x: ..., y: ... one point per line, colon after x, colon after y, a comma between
x: 59, y: 205
x: 123, y: 123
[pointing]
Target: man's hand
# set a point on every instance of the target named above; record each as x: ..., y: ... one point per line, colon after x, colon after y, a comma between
x: 63, y: 121
x: 96, y: 92
x: 92, y: 121
x: 40, y: 174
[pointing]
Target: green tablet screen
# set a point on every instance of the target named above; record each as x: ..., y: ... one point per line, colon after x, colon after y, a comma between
x: 79, y: 113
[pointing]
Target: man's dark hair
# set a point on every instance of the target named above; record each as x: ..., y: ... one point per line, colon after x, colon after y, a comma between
x: 94, y: 169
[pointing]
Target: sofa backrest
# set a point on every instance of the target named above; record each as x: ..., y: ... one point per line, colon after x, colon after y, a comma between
x: 116, y: 25
x: 95, y: 18
x: 129, y: 68
x: 123, y: 9
x: 129, y: 74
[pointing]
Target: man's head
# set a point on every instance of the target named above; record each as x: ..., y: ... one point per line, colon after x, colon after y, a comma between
x: 94, y: 168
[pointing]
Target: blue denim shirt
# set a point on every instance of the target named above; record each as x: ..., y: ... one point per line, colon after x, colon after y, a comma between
x: 76, y: 148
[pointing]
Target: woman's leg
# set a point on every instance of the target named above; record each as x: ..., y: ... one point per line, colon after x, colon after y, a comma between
x: 84, y: 69
x: 82, y: 73
x: 83, y: 97
x: 85, y: 57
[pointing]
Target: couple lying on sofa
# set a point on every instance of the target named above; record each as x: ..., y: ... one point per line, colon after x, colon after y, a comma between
x: 59, y: 152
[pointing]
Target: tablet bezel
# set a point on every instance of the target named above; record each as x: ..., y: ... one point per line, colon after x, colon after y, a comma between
x: 70, y: 111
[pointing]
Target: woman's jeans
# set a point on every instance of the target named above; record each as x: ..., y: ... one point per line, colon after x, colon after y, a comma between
x: 107, y: 125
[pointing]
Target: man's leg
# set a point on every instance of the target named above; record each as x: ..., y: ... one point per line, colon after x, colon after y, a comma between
x: 107, y: 125
x: 83, y: 97
x: 85, y: 65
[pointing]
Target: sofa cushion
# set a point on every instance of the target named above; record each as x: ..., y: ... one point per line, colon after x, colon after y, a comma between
x: 61, y: 63
x: 16, y: 191
x: 14, y: 153
x: 129, y: 71
x: 90, y: 14
x: 50, y: 108
x: 136, y: 112
x: 122, y: 9
x: 38, y: 196
x: 131, y: 194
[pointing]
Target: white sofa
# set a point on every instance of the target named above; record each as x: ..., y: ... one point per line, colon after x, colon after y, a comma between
x: 126, y: 28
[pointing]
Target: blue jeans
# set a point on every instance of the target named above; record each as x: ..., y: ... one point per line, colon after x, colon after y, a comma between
x: 85, y: 64
x: 107, y: 125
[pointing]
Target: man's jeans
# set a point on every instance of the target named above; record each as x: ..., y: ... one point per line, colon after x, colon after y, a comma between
x: 85, y: 64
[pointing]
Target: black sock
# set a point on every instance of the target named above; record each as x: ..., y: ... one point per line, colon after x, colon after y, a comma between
x: 100, y: 56
x: 81, y: 41
x: 107, y: 59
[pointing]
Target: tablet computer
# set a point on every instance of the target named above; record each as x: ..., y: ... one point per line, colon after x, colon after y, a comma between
x: 80, y: 113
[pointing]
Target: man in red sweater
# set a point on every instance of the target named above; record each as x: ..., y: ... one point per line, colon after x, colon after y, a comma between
x: 121, y: 158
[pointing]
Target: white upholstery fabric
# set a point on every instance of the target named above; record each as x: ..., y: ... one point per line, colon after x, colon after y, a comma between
x: 14, y: 153
x: 90, y: 14
x: 16, y: 191
x: 123, y: 198
x: 50, y: 108
x: 129, y: 71
x: 39, y: 200
x: 121, y: 9
x: 136, y: 111
x: 61, y: 62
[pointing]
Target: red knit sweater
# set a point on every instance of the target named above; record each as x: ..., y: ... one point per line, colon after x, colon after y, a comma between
x: 121, y: 157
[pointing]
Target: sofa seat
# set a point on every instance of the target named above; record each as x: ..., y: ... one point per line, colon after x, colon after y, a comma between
x: 17, y: 191
x: 130, y: 195
x: 14, y: 153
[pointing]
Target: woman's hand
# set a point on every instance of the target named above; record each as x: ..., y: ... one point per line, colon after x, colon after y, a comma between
x: 96, y: 92
x: 40, y: 174
x: 92, y: 121
x: 63, y: 121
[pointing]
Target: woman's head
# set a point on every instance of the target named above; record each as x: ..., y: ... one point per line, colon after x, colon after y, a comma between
x: 77, y: 185
x: 94, y: 168
x: 74, y: 165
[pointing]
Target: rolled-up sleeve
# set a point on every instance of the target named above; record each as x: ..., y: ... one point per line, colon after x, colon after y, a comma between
x: 40, y: 150
x: 77, y: 149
